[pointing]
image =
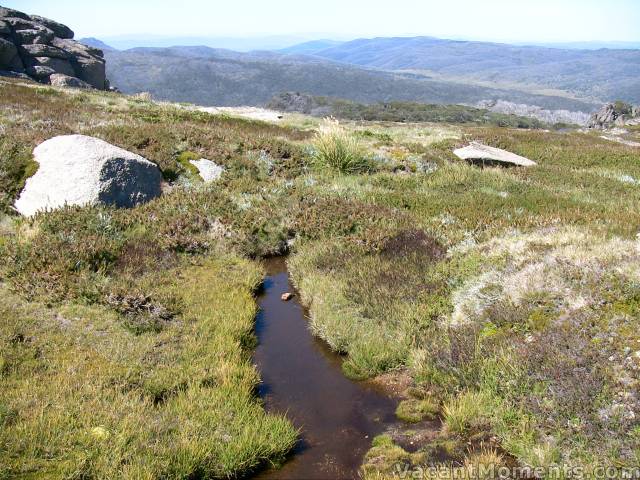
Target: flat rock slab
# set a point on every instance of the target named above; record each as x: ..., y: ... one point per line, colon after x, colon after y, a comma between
x: 81, y: 170
x: 479, y: 153
x: 208, y: 170
x: 252, y: 113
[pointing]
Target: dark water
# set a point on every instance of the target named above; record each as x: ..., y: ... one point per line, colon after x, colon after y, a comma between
x: 302, y: 378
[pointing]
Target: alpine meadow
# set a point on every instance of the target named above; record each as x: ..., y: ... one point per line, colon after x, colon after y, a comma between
x: 340, y: 257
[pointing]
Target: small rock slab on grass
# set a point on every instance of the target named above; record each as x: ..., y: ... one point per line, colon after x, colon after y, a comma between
x: 252, y: 113
x: 208, y: 170
x: 81, y: 170
x: 613, y: 138
x: 479, y: 153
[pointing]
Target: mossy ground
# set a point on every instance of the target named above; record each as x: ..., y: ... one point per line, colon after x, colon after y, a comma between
x: 510, y: 296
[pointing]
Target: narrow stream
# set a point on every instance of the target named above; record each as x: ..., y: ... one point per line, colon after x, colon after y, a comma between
x: 302, y: 378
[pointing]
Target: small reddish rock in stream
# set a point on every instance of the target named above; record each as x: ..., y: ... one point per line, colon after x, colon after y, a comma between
x: 286, y: 296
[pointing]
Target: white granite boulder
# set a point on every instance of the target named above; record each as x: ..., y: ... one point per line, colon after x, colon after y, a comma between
x: 208, y: 170
x: 81, y: 170
x: 479, y: 153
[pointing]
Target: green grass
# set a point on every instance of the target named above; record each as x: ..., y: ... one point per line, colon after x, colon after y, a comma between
x: 386, y: 459
x: 158, y: 133
x: 509, y: 296
x: 83, y: 397
x: 126, y: 335
x: 393, y: 311
x: 15, y: 172
x: 188, y: 169
x: 416, y: 410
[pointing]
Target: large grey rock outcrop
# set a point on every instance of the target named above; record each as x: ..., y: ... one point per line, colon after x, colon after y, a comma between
x: 292, y: 102
x: 479, y: 153
x: 40, y: 48
x: 81, y: 170
x: 10, y: 12
x: 9, y: 58
x: 61, y: 31
x: 616, y: 114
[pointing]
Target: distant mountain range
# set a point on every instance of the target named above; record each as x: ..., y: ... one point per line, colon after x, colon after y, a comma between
x: 416, y: 69
x: 589, y: 45
x: 208, y: 76
x: 95, y: 43
x: 240, y: 44
x: 309, y: 48
x: 294, y: 43
x: 588, y: 74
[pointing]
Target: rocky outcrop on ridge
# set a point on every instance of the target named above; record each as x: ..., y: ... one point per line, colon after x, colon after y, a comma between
x: 81, y: 170
x: 616, y: 114
x: 296, y: 102
x: 40, y: 49
x: 551, y: 117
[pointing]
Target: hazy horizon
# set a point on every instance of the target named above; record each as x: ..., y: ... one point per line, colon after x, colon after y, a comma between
x: 526, y: 22
x: 282, y: 42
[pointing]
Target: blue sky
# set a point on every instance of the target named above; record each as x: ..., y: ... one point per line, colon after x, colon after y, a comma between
x: 502, y: 20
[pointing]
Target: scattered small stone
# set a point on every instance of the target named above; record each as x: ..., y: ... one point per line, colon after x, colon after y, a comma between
x: 208, y: 170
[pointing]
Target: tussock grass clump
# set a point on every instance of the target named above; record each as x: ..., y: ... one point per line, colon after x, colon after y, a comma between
x: 339, y: 150
x: 387, y: 460
x: 336, y: 304
x: 483, y: 464
x: 467, y: 412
